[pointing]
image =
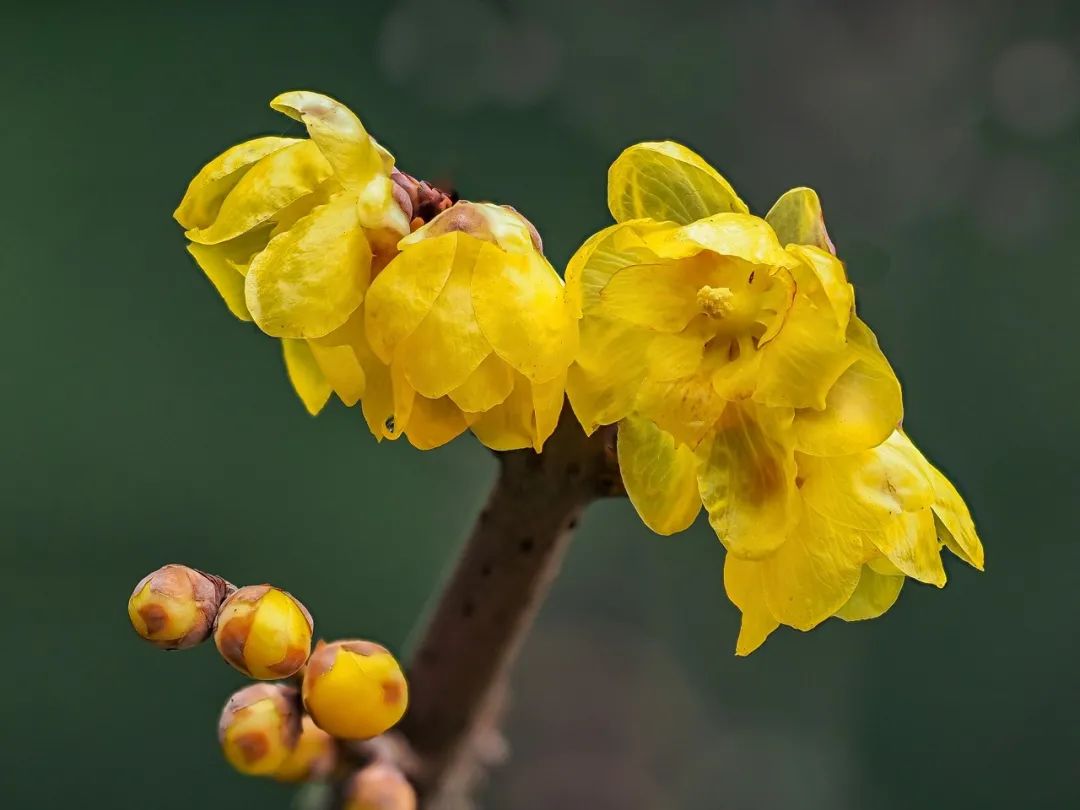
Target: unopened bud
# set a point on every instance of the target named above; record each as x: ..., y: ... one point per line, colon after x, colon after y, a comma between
x: 174, y: 607
x: 259, y: 728
x: 313, y: 757
x: 379, y: 787
x: 264, y: 632
x: 355, y: 690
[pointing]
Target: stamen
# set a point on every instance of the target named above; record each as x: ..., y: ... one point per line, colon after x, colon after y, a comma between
x: 716, y: 302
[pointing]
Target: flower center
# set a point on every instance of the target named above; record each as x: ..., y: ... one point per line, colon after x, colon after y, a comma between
x: 716, y: 302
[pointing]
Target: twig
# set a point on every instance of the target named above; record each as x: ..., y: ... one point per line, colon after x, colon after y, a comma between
x: 487, y: 606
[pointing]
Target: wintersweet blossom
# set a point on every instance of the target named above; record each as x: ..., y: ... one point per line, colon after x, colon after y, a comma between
x: 727, y: 348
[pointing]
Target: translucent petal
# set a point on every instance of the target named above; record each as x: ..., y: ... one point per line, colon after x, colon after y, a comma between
x: 548, y: 398
x: 811, y: 576
x: 660, y: 476
x: 742, y: 581
x: 387, y: 399
x: 434, y: 422
x: 910, y: 542
x: 863, y: 407
x: 305, y: 375
x: 673, y: 356
x: 358, y: 162
x: 208, y: 189
x: 741, y: 236
x: 797, y: 218
x: 874, y: 595
x: 658, y: 296
x: 666, y: 181
x: 312, y: 277
x: 610, y: 366
x: 272, y: 184
x: 687, y: 408
x: 955, y: 528
x: 448, y: 345
x: 604, y: 254
x: 227, y: 280
x: 510, y: 425
x: 747, y: 484
x: 828, y: 275
x: 402, y: 295
x: 800, y: 365
x: 863, y: 490
x: 486, y: 387
x: 339, y: 362
x: 521, y: 307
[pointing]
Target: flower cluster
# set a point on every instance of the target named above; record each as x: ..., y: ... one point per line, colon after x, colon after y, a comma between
x: 437, y: 319
x: 727, y: 349
x: 348, y: 690
x: 725, y: 346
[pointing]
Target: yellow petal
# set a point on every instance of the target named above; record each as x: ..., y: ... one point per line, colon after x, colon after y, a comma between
x: 797, y: 218
x: 862, y: 408
x: 660, y: 476
x: 827, y: 279
x: 801, y: 364
x: 863, y: 490
x: 811, y: 576
x: 740, y: 236
x: 604, y: 254
x: 658, y: 296
x: 955, y: 528
x: 275, y: 182
x: 339, y: 362
x: 910, y: 543
x: 488, y: 222
x: 673, y: 356
x: 489, y: 384
x: 312, y: 277
x: 608, y: 372
x: 521, y: 308
x: 216, y: 179
x: 434, y: 422
x: 219, y: 265
x: 687, y: 407
x: 305, y: 375
x: 743, y: 583
x: 666, y: 181
x: 402, y: 295
x: 747, y: 484
x: 388, y: 399
x: 448, y: 344
x: 548, y: 398
x: 874, y: 595
x: 510, y: 425
x: 359, y: 164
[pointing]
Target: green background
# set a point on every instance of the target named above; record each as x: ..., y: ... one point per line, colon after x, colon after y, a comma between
x: 142, y: 424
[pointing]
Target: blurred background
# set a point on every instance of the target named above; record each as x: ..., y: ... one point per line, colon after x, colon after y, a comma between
x: 143, y: 424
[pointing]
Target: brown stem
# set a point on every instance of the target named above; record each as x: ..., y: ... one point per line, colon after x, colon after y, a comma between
x: 457, y: 675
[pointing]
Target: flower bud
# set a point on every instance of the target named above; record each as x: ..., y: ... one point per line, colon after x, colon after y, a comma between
x: 264, y: 632
x: 379, y: 787
x: 354, y: 689
x: 174, y: 607
x: 259, y: 728
x: 313, y: 757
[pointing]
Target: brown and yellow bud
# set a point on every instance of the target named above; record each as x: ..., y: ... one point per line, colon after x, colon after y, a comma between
x: 260, y: 727
x: 355, y: 690
x: 314, y: 756
x: 379, y: 787
x: 264, y: 632
x: 174, y: 607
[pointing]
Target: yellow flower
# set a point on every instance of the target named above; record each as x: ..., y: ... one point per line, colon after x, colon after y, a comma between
x: 727, y: 348
x: 474, y: 327
x: 290, y: 232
